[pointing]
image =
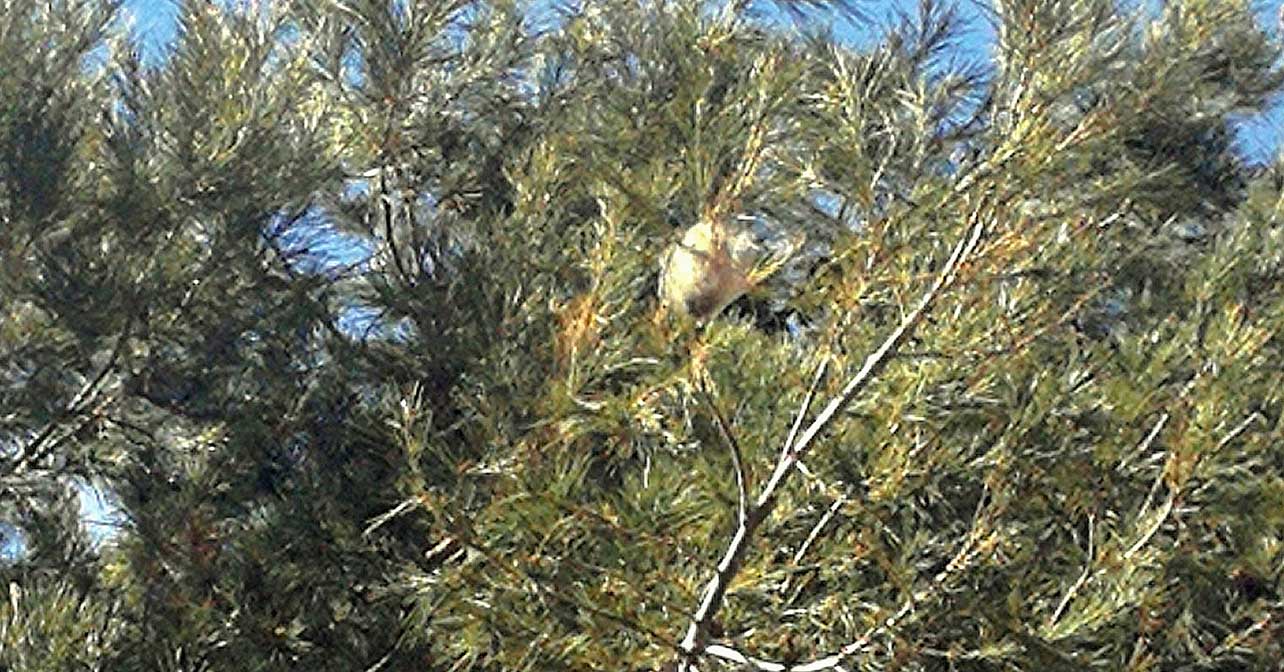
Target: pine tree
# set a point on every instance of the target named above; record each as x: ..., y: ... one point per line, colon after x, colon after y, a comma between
x: 352, y: 306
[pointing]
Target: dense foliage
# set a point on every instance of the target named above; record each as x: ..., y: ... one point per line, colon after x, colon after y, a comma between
x: 350, y: 306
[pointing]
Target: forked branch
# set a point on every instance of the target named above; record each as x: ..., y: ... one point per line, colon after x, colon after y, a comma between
x: 695, y: 640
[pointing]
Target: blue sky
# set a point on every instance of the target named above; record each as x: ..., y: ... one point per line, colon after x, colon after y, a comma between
x: 1260, y: 136
x: 154, y: 22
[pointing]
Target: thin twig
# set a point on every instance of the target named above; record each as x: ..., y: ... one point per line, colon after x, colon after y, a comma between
x: 388, y: 227
x: 1239, y: 429
x: 1172, y: 495
x: 820, y: 525
x: 737, y: 458
x: 812, y: 536
x: 805, y: 408
x: 1083, y: 578
x: 1154, y: 433
x: 1143, y: 447
x: 1154, y: 528
x: 727, y: 653
x: 1235, y: 639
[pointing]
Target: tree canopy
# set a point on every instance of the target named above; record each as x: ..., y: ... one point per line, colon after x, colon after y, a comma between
x: 351, y: 307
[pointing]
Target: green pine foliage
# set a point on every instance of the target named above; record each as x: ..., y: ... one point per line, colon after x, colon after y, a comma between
x: 350, y: 306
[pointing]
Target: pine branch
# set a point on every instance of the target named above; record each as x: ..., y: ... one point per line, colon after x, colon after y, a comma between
x: 963, y: 558
x: 37, y: 449
x: 694, y: 642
